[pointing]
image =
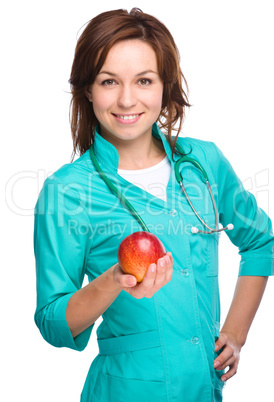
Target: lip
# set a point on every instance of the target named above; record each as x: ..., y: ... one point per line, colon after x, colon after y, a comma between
x: 131, y: 121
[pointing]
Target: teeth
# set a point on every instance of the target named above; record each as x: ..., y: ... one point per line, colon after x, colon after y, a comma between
x: 133, y: 116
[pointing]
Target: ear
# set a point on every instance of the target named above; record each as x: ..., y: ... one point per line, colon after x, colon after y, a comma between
x: 88, y: 94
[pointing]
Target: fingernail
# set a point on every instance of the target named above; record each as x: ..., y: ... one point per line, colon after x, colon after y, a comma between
x: 216, y: 348
x: 223, y: 378
x: 130, y: 281
x: 216, y: 364
x: 162, y: 264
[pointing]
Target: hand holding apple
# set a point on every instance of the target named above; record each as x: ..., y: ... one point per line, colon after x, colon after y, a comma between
x: 139, y: 250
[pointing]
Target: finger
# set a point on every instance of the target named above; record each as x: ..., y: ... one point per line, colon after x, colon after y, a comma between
x: 230, y: 373
x: 122, y: 279
x: 226, y: 363
x: 128, y: 281
x: 161, y: 271
x: 221, y: 341
x: 170, y: 256
x: 226, y: 354
x: 143, y: 289
x: 169, y: 259
x: 149, y: 278
x: 169, y: 270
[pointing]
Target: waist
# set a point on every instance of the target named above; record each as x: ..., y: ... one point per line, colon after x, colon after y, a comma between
x: 128, y: 343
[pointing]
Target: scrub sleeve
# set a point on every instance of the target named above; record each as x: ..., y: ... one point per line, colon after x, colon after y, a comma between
x: 60, y: 261
x: 252, y: 233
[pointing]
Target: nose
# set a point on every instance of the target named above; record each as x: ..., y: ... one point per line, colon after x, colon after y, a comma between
x: 127, y: 97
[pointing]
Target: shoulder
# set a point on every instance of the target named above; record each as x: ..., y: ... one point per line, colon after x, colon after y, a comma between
x: 70, y: 173
x: 206, y: 150
x: 70, y: 182
x: 208, y: 154
x: 73, y: 175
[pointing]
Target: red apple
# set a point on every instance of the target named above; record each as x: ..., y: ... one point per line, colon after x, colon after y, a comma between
x: 137, y: 251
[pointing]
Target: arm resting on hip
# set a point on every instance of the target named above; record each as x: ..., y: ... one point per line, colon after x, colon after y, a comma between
x: 246, y: 300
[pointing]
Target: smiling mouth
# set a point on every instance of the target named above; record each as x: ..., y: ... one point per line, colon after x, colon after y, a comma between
x: 127, y: 116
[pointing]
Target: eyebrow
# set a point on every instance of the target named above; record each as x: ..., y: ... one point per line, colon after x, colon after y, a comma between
x: 137, y: 75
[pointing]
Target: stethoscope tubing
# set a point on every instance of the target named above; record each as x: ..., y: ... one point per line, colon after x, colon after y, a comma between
x: 179, y: 178
x: 196, y: 230
x: 117, y: 192
x: 196, y: 213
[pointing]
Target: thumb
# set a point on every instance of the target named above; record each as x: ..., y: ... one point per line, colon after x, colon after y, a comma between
x: 129, y: 280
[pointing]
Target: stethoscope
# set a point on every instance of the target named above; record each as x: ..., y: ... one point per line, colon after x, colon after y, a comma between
x: 179, y: 179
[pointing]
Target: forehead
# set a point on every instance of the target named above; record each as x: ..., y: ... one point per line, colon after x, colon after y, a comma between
x: 131, y: 54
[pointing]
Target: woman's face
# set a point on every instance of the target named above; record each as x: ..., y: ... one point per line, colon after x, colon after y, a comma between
x: 127, y: 92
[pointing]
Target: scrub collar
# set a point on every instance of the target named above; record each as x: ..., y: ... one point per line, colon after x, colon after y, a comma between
x: 108, y: 155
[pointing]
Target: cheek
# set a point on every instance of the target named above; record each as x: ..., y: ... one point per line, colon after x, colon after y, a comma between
x: 101, y: 102
x: 154, y: 101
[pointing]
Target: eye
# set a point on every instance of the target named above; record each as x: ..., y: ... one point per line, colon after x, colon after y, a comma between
x: 108, y: 83
x: 144, y: 81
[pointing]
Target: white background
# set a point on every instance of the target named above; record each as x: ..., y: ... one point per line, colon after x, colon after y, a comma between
x: 227, y: 57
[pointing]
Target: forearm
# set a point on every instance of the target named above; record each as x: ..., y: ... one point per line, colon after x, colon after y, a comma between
x: 246, y: 300
x: 90, y: 302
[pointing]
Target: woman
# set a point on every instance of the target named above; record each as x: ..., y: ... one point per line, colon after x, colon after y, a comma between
x: 160, y: 339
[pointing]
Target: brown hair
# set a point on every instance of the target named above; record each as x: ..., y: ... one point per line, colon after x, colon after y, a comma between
x: 101, y: 33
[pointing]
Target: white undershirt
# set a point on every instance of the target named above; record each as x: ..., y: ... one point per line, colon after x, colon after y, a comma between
x: 154, y: 179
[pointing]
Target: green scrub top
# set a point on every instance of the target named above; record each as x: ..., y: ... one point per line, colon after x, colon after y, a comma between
x: 150, y: 349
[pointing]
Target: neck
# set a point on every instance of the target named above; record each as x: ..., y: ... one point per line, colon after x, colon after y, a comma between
x: 132, y: 157
x: 140, y: 153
